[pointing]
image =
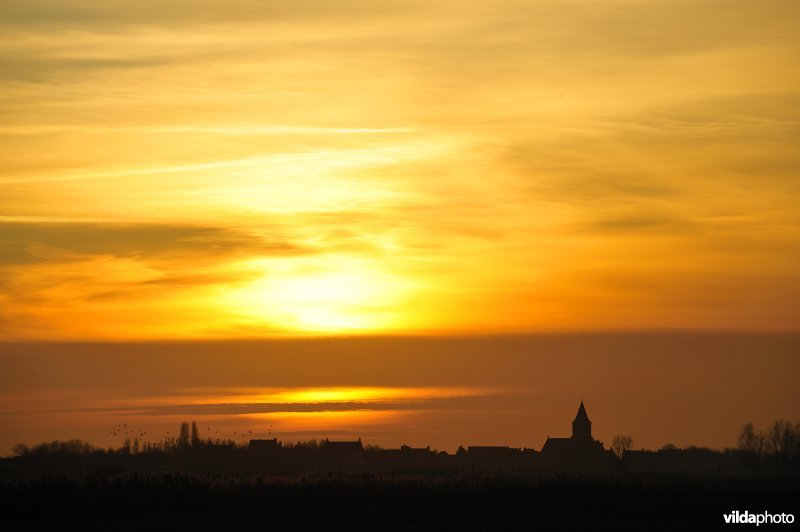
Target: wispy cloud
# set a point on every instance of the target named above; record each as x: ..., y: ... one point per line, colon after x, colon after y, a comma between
x: 182, y: 12
x: 53, y: 242
x: 215, y: 409
x: 472, y: 164
x: 240, y: 401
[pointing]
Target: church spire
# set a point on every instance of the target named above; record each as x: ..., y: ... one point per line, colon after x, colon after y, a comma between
x: 581, y: 425
x: 582, y: 415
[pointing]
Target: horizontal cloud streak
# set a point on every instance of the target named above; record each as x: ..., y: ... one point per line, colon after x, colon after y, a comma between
x: 392, y: 166
x: 25, y: 243
x: 181, y: 12
x: 209, y: 409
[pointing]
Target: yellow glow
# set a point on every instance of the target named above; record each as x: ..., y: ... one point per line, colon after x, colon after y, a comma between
x: 330, y: 294
x: 319, y: 421
x: 410, y: 168
x: 360, y: 394
x: 308, y: 395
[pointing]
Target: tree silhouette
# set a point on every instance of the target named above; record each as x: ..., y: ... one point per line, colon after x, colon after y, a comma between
x: 20, y: 449
x: 196, y: 442
x: 750, y: 441
x: 183, y: 436
x: 621, y: 443
x: 779, y: 438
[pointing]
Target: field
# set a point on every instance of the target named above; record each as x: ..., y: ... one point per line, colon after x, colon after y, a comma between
x: 324, y: 501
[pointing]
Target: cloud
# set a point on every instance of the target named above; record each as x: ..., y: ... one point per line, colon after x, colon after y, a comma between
x: 488, y: 402
x: 112, y: 13
x: 168, y: 281
x: 526, y: 137
x: 265, y: 408
x: 35, y: 67
x: 638, y: 223
x: 96, y: 275
x: 27, y: 243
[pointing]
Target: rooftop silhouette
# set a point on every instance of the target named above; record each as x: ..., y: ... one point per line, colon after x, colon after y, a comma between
x: 579, y: 452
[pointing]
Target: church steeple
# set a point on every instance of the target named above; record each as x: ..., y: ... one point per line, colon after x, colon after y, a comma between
x: 581, y: 426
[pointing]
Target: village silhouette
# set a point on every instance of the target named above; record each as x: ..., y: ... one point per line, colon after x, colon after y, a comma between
x: 772, y: 453
x: 575, y: 482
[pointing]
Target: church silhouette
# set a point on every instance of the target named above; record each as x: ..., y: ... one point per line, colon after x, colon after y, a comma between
x: 579, y: 451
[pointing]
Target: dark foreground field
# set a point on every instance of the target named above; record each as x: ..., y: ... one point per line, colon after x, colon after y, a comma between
x: 109, y: 500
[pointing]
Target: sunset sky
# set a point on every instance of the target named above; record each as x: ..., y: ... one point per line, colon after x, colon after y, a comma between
x: 214, y: 170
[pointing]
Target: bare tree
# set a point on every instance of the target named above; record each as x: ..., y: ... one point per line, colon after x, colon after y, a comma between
x: 780, y: 437
x: 195, y: 435
x: 183, y: 436
x: 621, y: 443
x: 750, y: 441
x: 20, y: 449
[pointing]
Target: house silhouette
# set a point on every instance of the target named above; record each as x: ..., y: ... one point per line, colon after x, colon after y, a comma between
x: 264, y: 446
x: 342, y: 454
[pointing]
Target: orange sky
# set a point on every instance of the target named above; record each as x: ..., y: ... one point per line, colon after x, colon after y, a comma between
x: 220, y: 170
x: 680, y: 388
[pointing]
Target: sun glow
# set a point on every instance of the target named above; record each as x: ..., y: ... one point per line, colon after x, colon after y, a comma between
x: 303, y: 395
x: 353, y: 394
x: 327, y: 295
x: 325, y: 395
x: 168, y: 178
x: 322, y: 421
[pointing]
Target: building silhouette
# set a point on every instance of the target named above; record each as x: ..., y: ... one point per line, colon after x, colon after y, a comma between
x: 578, y: 452
x: 581, y: 425
x: 342, y: 454
x: 263, y: 446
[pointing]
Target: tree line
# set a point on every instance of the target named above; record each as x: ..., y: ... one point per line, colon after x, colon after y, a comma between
x: 780, y: 442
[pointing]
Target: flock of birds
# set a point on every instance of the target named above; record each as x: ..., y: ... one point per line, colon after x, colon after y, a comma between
x: 122, y: 430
